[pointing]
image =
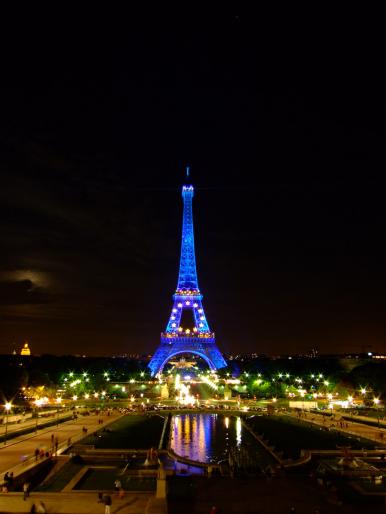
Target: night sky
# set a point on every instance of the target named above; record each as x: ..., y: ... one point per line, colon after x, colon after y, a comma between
x: 286, y: 144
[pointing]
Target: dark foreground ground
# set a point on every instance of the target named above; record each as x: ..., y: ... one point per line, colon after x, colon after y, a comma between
x: 261, y: 495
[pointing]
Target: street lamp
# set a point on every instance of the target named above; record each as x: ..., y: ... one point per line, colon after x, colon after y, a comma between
x: 38, y: 403
x: 302, y: 396
x: 7, y: 407
x: 58, y: 402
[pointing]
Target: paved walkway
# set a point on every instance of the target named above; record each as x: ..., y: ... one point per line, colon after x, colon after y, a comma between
x: 19, y: 450
x: 18, y: 453
x: 358, y: 429
x: 74, y: 503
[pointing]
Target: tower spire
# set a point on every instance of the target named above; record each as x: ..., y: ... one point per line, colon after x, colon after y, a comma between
x: 187, y: 277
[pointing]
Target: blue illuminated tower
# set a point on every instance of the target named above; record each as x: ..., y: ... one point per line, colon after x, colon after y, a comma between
x: 187, y: 330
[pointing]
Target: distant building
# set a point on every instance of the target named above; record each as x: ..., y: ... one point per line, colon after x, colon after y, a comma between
x: 25, y: 350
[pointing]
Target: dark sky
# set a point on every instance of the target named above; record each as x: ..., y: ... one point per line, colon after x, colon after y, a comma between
x: 286, y: 143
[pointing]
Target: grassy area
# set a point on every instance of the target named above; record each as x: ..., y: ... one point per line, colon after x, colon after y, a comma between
x: 131, y: 431
x: 290, y: 435
x: 61, y: 478
x: 102, y: 479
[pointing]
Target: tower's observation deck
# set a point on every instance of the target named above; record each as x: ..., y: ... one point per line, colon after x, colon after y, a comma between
x: 187, y: 330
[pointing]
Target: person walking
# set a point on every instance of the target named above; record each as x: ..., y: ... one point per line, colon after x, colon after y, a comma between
x: 25, y: 490
x: 10, y: 481
x: 108, y: 503
x: 41, y: 508
x: 117, y: 485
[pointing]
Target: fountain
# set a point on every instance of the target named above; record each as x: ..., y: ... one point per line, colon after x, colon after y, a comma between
x: 347, y: 466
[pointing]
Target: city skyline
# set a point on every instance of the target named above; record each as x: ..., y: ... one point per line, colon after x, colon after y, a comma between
x: 286, y: 149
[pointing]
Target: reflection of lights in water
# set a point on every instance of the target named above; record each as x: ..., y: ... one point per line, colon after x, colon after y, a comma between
x: 206, y: 437
x: 238, y: 431
x: 192, y: 437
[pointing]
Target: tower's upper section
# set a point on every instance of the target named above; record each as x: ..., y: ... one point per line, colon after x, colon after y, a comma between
x: 187, y: 278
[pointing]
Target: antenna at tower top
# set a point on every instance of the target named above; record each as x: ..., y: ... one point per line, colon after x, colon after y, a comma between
x: 187, y: 171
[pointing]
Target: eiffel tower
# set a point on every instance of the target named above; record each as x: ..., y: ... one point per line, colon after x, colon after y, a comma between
x: 187, y: 330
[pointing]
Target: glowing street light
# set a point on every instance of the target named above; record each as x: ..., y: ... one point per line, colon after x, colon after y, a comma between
x: 58, y: 402
x: 38, y: 403
x: 7, y: 407
x: 376, y: 401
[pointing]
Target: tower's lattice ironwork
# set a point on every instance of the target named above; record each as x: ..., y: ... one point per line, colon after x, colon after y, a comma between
x: 196, y: 339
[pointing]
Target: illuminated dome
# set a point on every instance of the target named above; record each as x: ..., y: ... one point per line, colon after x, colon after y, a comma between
x: 25, y: 350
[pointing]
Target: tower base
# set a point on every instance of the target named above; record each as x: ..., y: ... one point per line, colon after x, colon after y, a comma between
x: 206, y: 349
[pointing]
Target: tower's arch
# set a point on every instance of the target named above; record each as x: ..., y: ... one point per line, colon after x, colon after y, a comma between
x: 211, y: 365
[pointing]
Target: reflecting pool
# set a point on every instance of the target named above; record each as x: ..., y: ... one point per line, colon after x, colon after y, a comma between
x: 210, y: 438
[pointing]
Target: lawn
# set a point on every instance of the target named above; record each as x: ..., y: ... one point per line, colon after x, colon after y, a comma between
x: 103, y: 479
x: 131, y: 431
x: 61, y: 478
x: 290, y: 436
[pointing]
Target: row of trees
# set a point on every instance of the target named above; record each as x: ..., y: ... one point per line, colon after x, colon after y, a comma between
x: 259, y: 377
